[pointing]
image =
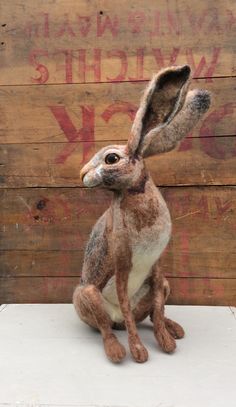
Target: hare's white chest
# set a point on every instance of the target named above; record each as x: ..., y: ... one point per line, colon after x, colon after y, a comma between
x: 145, y: 254
x: 147, y: 247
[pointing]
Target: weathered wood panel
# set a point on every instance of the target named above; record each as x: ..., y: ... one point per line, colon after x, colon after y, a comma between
x: 185, y: 262
x: 105, y: 52
x: 44, y: 147
x: 196, y: 291
x: 197, y: 161
x: 44, y: 220
x: 67, y: 41
x: 38, y: 114
x: 57, y: 263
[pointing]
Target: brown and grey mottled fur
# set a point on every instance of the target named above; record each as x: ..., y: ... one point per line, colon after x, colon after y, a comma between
x: 121, y: 283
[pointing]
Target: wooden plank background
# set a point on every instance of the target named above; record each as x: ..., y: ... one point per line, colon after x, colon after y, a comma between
x: 71, y: 76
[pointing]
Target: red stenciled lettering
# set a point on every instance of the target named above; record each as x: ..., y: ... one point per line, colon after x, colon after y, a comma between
x: 84, y: 23
x: 156, y: 28
x: 105, y: 23
x: 231, y: 20
x: 83, y: 67
x: 179, y: 204
x: 173, y: 24
x: 173, y: 201
x: 85, y: 134
x: 203, y: 69
x: 67, y: 67
x: 31, y: 29
x: 38, y: 29
x: 214, y: 24
x: 46, y: 30
x: 221, y: 207
x: 203, y: 207
x: 159, y: 57
x: 186, y: 201
x: 123, y: 64
x: 196, y: 21
x: 121, y: 107
x: 136, y: 21
x: 139, y: 66
x: 65, y: 28
x: 210, y: 144
x: 42, y: 69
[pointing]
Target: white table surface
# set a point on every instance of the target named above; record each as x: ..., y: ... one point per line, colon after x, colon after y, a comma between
x: 48, y: 357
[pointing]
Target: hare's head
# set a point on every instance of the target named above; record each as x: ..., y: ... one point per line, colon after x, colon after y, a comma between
x: 167, y: 112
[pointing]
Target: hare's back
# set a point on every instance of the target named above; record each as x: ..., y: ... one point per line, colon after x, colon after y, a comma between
x: 97, y: 268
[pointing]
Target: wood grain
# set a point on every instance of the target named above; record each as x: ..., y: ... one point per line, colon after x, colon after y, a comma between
x: 43, y: 146
x: 185, y: 262
x: 36, y: 222
x: 199, y: 161
x: 71, y: 76
x: 37, y: 263
x: 191, y: 291
x: 66, y: 41
x: 39, y: 114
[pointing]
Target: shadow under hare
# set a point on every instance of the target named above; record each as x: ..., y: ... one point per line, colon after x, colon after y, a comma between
x: 121, y: 283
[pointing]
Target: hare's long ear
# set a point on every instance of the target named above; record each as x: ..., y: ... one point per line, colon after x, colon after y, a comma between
x: 164, y: 117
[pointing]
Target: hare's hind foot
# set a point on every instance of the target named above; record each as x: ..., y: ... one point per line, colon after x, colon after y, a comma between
x: 89, y: 306
x: 165, y: 331
x: 174, y: 328
x: 165, y: 340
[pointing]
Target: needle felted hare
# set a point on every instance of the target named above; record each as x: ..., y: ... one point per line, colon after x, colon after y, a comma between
x: 121, y: 283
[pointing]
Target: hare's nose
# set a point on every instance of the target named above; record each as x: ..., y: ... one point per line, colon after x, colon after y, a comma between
x: 83, y: 172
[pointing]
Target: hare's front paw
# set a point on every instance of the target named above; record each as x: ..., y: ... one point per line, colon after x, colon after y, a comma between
x: 115, y: 351
x: 165, y: 340
x: 138, y: 351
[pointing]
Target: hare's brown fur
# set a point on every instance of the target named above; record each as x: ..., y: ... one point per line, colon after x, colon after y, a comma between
x: 121, y: 283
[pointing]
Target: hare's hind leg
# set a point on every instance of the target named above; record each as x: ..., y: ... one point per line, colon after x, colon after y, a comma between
x: 89, y: 306
x: 145, y: 307
x: 173, y: 327
x: 161, y: 331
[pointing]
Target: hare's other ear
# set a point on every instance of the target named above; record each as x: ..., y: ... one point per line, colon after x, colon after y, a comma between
x: 162, y: 99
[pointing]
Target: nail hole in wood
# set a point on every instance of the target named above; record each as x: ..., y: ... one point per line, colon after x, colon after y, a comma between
x: 41, y: 204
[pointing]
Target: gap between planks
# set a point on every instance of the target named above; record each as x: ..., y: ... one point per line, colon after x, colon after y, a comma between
x: 158, y: 186
x: 112, y: 141
x: 111, y: 82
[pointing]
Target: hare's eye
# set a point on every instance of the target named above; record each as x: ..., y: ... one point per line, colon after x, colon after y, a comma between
x: 112, y: 158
